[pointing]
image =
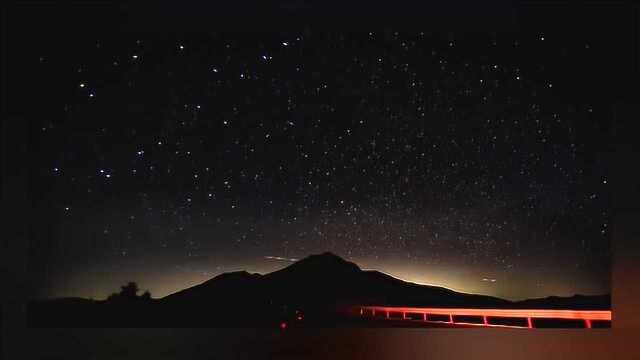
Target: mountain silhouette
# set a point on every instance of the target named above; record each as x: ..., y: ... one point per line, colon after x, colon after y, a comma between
x: 576, y: 302
x: 324, y: 287
x: 329, y: 279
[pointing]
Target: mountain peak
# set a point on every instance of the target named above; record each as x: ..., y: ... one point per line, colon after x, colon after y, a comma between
x: 234, y: 275
x: 327, y: 255
x: 231, y: 277
x: 327, y: 258
x: 323, y: 264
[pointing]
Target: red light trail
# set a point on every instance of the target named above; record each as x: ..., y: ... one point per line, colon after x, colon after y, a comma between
x: 586, y: 315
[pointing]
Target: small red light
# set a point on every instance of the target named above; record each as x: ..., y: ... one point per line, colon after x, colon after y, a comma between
x: 299, y: 317
x: 283, y: 325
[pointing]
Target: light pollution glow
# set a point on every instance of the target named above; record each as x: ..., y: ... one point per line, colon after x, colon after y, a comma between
x: 161, y: 280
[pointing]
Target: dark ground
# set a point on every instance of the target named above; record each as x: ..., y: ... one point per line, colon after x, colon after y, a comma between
x: 348, y: 343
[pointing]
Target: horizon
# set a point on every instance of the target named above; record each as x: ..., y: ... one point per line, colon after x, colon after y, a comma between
x: 289, y: 263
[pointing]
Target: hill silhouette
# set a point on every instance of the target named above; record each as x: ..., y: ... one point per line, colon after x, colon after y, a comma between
x: 326, y: 280
x: 323, y: 287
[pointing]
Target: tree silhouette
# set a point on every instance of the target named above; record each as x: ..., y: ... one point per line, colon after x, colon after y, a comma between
x: 129, y: 293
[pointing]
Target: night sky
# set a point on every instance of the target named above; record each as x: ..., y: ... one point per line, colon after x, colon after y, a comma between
x: 468, y: 160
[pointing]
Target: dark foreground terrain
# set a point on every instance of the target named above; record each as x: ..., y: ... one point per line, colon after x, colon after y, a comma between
x: 338, y: 343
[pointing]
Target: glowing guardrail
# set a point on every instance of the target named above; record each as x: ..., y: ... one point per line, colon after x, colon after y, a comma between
x: 586, y: 315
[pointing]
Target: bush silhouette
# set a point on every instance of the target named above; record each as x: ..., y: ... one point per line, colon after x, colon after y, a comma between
x: 129, y: 293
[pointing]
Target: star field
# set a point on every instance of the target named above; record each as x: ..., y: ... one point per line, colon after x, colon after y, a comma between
x: 469, y: 161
